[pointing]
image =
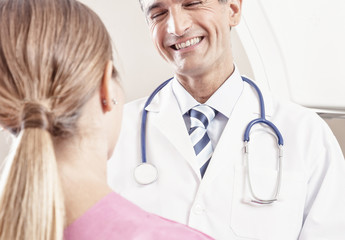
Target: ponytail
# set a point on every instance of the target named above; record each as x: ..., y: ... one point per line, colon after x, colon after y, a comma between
x: 31, y: 204
x: 52, y: 58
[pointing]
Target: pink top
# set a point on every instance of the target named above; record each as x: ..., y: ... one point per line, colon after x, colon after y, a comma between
x: 114, y: 217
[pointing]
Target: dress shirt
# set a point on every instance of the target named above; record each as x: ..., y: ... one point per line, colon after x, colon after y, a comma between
x: 223, y: 100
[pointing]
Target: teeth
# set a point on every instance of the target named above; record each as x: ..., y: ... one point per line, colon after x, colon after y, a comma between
x: 188, y: 43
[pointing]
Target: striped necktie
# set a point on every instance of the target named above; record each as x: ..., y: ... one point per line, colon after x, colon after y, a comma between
x: 200, y: 117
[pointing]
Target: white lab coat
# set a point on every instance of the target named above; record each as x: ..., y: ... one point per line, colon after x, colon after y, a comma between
x: 312, y: 199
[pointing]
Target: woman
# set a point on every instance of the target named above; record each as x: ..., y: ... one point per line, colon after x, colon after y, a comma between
x: 59, y: 96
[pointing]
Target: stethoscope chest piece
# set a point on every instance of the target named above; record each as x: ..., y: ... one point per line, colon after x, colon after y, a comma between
x: 145, y: 173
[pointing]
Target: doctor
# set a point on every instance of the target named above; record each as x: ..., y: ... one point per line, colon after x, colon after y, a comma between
x: 203, y: 178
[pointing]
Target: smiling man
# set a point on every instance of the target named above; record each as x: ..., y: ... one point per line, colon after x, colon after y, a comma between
x: 197, y: 169
x: 194, y: 36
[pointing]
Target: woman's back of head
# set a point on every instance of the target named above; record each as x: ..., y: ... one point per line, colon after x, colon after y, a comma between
x: 52, y: 59
x: 52, y: 51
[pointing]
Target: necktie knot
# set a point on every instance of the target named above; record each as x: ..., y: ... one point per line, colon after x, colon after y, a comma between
x: 201, y: 116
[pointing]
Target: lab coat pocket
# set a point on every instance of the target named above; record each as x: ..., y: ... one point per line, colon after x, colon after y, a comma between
x: 280, y: 220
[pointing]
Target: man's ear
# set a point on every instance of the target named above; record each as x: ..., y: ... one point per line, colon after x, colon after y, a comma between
x: 105, y: 88
x: 235, y: 10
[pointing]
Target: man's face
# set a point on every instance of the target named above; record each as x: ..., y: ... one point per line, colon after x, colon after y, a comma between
x: 193, y: 35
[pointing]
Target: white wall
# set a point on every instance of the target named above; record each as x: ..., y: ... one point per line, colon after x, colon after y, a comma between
x: 141, y: 67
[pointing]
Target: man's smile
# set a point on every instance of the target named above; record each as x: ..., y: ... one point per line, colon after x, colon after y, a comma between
x: 185, y: 44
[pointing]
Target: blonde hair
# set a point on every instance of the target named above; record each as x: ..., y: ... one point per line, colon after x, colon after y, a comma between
x: 52, y: 58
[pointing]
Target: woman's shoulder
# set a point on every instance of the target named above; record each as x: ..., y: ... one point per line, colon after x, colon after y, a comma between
x: 115, y: 217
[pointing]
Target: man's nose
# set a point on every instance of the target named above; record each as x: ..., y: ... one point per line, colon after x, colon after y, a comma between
x: 179, y: 22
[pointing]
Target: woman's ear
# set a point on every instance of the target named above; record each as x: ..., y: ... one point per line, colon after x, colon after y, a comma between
x: 106, y: 89
x: 235, y: 9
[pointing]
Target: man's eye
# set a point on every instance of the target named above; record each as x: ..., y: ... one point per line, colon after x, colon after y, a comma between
x: 157, y: 15
x: 192, y: 4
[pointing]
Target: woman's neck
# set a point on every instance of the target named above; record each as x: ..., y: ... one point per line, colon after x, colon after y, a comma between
x: 82, y: 170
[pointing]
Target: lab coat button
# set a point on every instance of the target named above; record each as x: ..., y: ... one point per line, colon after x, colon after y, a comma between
x: 198, y: 209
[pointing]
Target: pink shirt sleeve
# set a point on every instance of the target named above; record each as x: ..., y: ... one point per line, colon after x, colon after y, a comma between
x: 114, y: 217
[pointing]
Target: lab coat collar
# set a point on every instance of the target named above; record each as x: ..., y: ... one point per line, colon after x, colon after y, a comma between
x: 227, y: 95
x: 164, y: 115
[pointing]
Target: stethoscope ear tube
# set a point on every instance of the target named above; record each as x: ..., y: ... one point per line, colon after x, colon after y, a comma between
x: 256, y: 199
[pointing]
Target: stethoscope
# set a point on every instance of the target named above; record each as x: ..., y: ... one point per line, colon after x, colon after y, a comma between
x: 146, y: 173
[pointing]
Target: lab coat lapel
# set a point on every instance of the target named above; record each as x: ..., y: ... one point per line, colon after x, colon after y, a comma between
x: 165, y: 115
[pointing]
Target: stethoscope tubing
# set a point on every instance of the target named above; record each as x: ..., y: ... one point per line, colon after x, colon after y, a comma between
x: 262, y: 118
x: 144, y: 118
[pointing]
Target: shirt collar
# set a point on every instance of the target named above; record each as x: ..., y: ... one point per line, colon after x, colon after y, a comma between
x: 223, y: 100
